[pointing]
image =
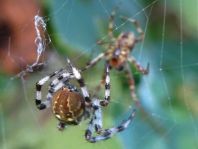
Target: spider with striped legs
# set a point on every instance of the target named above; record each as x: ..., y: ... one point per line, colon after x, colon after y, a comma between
x: 71, y: 105
x: 117, y: 55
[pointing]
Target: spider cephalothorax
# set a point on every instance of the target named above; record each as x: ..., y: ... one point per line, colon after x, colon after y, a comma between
x: 117, y: 54
x: 70, y: 105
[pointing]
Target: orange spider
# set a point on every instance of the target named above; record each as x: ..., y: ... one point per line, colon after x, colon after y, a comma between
x: 117, y: 55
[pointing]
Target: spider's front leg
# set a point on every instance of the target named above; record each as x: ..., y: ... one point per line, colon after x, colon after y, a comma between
x: 138, y: 28
x: 55, y: 85
x: 81, y: 83
x: 100, y: 42
x: 93, y: 62
x: 111, y: 26
x: 38, y: 101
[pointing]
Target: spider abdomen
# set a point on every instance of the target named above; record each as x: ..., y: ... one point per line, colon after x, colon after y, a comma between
x: 68, y: 106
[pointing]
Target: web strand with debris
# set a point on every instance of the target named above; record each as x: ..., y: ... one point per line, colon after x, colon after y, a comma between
x: 40, y: 41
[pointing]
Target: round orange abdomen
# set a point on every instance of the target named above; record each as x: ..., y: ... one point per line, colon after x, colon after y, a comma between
x: 68, y: 106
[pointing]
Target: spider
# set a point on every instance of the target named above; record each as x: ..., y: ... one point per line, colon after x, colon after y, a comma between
x: 117, y: 55
x: 70, y: 105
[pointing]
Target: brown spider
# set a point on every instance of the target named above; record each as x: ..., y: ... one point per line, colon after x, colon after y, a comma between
x: 71, y: 105
x: 117, y: 54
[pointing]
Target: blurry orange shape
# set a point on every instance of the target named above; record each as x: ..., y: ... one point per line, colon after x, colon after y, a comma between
x: 17, y: 34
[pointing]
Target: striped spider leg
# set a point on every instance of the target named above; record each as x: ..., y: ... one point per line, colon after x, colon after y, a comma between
x: 95, y: 124
x: 70, y: 105
x: 55, y: 85
x: 117, y: 54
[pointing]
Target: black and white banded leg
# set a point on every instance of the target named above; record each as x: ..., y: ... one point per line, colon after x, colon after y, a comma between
x: 60, y: 77
x: 106, y: 100
x: 59, y: 85
x: 81, y: 83
x: 55, y: 85
x: 39, y: 85
x: 95, y: 125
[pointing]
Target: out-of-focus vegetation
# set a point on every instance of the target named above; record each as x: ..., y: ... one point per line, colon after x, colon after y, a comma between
x: 168, y: 117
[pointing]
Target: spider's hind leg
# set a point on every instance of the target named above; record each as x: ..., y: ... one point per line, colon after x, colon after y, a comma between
x: 107, y: 85
x: 131, y: 81
x: 105, y: 134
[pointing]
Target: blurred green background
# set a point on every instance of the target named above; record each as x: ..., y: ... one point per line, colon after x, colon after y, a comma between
x: 169, y: 98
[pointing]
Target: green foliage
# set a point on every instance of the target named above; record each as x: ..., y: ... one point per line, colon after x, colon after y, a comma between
x: 168, y: 114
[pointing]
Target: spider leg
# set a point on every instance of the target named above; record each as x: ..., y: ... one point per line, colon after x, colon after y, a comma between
x: 131, y: 81
x: 96, y: 124
x: 96, y: 120
x: 100, y: 42
x: 54, y: 86
x: 81, y: 83
x: 61, y: 77
x: 61, y: 126
x: 138, y: 28
x: 138, y: 66
x: 46, y: 103
x: 39, y: 85
x: 102, y: 82
x: 111, y: 25
x: 106, y: 100
x: 94, y: 61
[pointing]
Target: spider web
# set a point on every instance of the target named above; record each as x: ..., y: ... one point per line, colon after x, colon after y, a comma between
x: 158, y: 127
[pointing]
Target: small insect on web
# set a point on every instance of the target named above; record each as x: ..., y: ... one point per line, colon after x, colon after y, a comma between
x: 117, y: 55
x: 71, y: 105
